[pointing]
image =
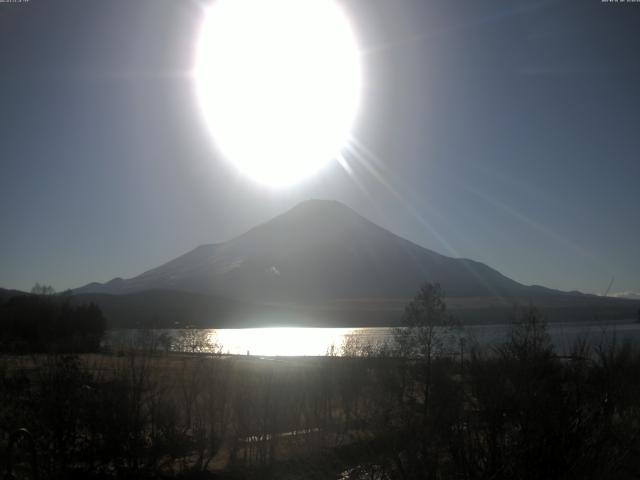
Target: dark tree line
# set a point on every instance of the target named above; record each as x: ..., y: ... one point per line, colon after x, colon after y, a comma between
x: 44, y: 321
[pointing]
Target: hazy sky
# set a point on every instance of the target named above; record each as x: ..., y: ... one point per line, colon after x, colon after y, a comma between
x: 507, y: 132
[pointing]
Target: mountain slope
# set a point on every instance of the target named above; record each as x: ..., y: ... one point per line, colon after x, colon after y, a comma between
x: 319, y: 251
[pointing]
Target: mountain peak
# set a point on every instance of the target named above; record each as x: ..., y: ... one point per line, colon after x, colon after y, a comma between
x: 321, y: 204
x: 321, y: 250
x: 309, y: 222
x: 317, y: 208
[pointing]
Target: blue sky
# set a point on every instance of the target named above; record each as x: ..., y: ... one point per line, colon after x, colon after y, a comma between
x: 506, y: 132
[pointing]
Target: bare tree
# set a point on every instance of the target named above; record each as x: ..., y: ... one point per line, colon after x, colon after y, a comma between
x: 194, y: 340
x: 38, y: 289
x: 425, y: 331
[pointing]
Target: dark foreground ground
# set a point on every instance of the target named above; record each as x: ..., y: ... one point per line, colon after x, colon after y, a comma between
x: 518, y: 411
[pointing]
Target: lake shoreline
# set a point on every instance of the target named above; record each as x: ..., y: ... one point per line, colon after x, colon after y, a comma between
x: 319, y: 342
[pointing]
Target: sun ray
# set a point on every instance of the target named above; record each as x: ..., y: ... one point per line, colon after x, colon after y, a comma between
x: 376, y: 168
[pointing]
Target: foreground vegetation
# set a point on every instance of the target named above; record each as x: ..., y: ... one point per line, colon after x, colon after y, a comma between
x: 406, y: 410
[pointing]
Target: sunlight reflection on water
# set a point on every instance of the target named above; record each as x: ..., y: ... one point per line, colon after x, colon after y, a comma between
x: 308, y: 341
x: 293, y: 341
x: 287, y: 341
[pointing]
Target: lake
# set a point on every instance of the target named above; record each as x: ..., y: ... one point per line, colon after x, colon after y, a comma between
x: 299, y: 341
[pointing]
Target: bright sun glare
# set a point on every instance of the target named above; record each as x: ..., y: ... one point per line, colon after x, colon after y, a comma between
x: 278, y: 82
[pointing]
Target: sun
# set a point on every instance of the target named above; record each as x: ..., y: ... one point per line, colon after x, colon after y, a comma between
x: 278, y: 82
